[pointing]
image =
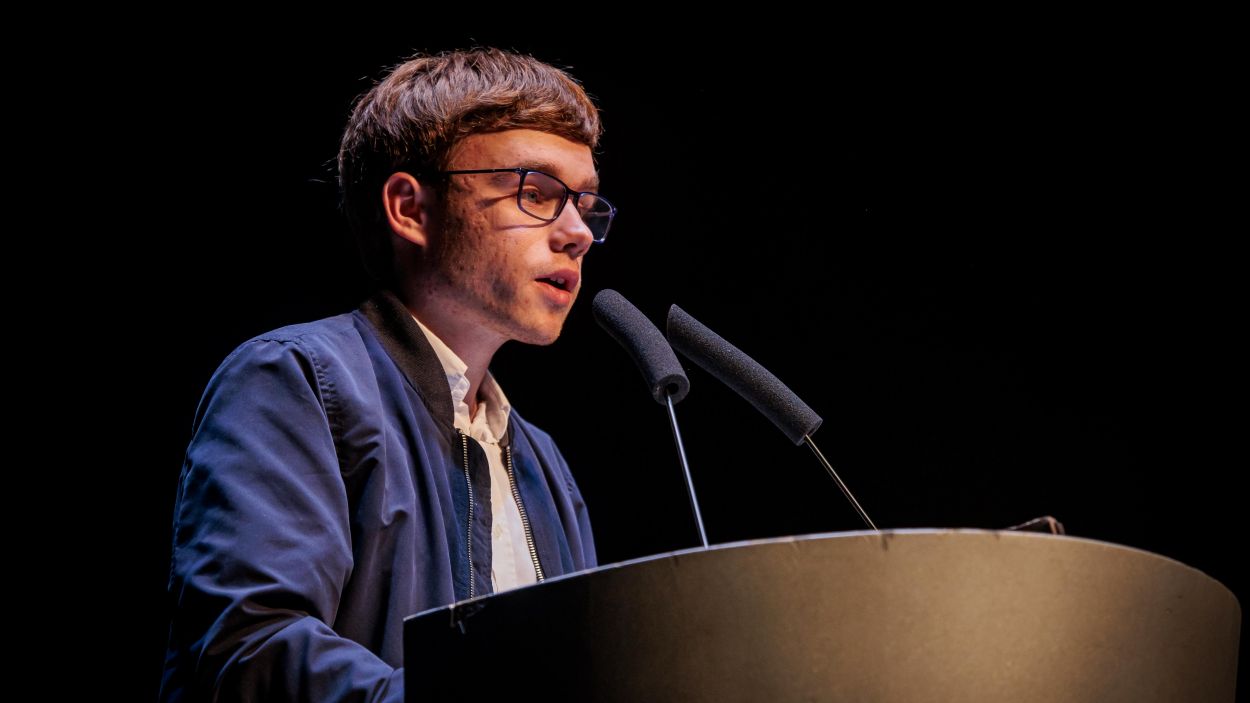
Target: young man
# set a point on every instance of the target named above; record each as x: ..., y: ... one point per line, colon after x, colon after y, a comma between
x: 349, y: 472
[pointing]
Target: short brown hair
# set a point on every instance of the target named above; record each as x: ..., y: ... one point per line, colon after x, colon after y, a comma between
x: 412, y: 118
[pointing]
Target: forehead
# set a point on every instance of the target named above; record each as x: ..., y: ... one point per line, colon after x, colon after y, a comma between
x: 527, y: 148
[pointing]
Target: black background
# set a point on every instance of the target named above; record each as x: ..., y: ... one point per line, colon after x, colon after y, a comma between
x: 986, y: 263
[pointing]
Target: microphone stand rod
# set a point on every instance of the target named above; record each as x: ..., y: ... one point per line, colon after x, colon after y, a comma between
x: 845, y: 491
x: 685, y: 466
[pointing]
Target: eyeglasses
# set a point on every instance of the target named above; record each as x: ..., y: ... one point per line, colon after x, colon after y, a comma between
x: 543, y: 196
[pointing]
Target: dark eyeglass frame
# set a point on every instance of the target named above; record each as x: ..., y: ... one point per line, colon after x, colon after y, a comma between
x: 568, y: 192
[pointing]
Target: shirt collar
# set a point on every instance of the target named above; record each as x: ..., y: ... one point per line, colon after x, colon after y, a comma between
x: 493, y: 408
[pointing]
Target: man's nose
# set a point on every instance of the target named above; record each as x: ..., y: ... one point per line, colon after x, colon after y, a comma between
x: 571, y: 233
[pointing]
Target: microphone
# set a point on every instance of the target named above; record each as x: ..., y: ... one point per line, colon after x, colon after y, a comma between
x: 646, y: 346
x: 754, y: 383
x: 743, y: 374
x: 665, y: 378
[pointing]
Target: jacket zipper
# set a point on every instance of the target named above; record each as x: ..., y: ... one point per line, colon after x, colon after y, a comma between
x: 464, y: 451
x: 525, y: 521
x: 516, y: 495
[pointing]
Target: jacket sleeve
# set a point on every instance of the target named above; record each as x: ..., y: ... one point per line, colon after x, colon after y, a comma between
x: 262, y: 546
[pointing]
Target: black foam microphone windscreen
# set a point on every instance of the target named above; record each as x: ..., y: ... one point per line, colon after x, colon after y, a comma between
x: 645, y: 344
x: 743, y: 374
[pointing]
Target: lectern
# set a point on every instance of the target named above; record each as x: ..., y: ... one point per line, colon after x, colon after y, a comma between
x: 904, y: 615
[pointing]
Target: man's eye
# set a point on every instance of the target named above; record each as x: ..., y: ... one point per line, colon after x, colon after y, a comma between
x: 535, y: 195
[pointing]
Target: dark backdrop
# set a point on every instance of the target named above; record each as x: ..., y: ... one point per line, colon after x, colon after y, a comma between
x: 983, y: 263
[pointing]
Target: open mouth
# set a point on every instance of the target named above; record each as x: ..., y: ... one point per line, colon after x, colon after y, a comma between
x: 561, y: 282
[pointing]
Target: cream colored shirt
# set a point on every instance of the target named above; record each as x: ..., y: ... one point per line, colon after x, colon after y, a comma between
x: 511, y: 565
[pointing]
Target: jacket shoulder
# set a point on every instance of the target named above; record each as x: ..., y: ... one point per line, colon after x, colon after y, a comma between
x: 325, y: 340
x: 324, y: 355
x: 326, y: 332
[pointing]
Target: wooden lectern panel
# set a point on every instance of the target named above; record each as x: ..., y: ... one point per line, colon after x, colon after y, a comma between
x: 907, y: 615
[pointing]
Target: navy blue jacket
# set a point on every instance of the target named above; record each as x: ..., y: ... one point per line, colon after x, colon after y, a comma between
x: 324, y: 498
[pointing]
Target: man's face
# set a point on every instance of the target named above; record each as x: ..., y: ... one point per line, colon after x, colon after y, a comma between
x: 491, y: 264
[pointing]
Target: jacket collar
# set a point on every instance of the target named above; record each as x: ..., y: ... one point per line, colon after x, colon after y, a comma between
x: 408, y: 346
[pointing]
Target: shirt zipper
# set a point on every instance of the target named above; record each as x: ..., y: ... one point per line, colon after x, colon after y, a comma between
x: 525, y: 521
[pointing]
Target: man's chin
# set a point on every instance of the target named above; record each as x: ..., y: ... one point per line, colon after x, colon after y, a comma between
x: 539, y: 336
x: 539, y: 340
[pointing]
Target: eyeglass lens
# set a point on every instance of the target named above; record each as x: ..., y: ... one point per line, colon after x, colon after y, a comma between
x: 541, y: 196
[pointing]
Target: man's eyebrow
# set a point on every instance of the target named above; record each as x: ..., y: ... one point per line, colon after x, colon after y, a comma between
x: 550, y: 168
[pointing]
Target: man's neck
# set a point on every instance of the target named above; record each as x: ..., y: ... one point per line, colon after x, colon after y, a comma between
x: 473, y: 344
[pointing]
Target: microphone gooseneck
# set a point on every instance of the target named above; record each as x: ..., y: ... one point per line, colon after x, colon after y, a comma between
x: 838, y: 480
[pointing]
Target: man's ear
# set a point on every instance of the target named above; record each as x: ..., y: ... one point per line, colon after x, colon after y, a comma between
x: 408, y: 207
